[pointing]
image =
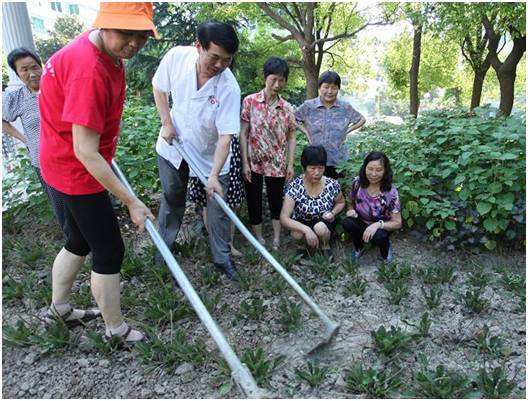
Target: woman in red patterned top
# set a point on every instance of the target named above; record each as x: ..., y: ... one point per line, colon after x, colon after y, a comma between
x: 267, y: 142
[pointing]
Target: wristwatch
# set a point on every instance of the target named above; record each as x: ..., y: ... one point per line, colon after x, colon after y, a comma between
x: 382, y: 224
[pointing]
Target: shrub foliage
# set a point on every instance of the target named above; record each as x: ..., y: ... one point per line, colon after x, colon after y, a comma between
x: 460, y: 175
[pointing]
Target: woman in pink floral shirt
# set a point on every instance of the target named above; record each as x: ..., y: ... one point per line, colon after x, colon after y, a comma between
x: 267, y: 144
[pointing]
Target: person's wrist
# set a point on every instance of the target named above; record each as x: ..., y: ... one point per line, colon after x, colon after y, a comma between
x: 381, y: 224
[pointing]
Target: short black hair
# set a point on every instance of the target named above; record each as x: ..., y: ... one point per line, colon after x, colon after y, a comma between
x: 386, y: 181
x: 21, y: 52
x: 329, y: 77
x: 313, y: 155
x: 219, y: 33
x: 276, y: 66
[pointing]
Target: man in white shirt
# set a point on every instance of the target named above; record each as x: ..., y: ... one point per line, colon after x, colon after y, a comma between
x: 205, y: 114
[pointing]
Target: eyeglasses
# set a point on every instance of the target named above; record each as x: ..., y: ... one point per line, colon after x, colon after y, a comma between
x: 215, y: 58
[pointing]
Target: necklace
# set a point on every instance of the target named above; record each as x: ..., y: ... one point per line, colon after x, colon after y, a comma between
x: 375, y: 193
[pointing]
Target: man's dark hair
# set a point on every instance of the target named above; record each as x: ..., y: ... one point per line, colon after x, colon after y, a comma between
x: 220, y: 33
x: 276, y: 66
x: 313, y: 155
x: 329, y: 77
x: 21, y: 52
x: 386, y: 181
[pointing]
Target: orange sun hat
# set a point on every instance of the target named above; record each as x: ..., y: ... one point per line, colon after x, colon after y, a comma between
x: 130, y: 15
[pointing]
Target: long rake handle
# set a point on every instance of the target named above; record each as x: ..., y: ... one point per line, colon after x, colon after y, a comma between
x: 330, y: 324
x: 240, y: 372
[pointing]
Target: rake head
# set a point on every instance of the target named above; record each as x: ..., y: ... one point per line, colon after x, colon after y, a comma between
x: 331, y: 331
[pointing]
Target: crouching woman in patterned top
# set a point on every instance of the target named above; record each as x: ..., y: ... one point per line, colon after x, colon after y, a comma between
x: 374, y: 207
x: 312, y: 202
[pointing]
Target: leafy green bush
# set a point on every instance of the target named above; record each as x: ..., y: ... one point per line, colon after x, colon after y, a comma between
x: 460, y: 175
x: 136, y: 154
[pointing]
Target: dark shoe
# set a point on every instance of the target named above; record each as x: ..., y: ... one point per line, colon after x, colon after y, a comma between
x: 227, y: 268
x: 357, y: 254
x: 390, y: 256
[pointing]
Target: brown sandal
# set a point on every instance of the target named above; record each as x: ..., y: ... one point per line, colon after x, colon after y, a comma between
x: 89, y: 314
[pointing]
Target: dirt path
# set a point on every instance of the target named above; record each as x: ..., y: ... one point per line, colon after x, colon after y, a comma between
x: 83, y: 370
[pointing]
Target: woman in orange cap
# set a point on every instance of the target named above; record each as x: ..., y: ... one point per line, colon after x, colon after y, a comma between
x: 81, y: 102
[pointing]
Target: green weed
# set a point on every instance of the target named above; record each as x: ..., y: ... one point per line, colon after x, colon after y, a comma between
x: 393, y: 272
x: 102, y: 344
x: 29, y: 252
x: 445, y: 274
x: 324, y: 267
x: 132, y: 265
x: 387, y: 342
x: 210, y: 301
x: 398, y: 290
x: 427, y: 274
x: 356, y: 286
x: 436, y: 274
x: 11, y: 289
x: 432, y: 297
x: 314, y: 374
x: 474, y: 302
x: 488, y: 344
x: 164, y: 305
x: 260, y: 366
x: 479, y: 279
x: 423, y: 326
x: 245, y: 280
x: 253, y: 309
x: 513, y: 282
x: 350, y: 266
x: 372, y: 382
x: 252, y: 256
x: 22, y: 334
x: 83, y: 297
x: 275, y: 284
x: 441, y: 383
x: 56, y: 337
x: 177, y: 350
x: 495, y: 384
x: 209, y: 276
x: 288, y: 260
x: 290, y: 315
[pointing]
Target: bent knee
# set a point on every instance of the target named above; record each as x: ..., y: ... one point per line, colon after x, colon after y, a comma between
x: 297, y: 235
x: 321, y: 229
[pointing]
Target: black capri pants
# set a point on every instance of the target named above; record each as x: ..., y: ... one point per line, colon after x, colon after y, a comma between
x: 356, y: 227
x: 274, y: 191
x: 90, y: 225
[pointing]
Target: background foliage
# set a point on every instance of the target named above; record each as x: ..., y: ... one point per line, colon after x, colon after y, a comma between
x: 459, y: 174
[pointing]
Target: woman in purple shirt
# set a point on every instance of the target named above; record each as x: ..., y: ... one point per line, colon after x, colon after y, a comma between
x: 374, y: 208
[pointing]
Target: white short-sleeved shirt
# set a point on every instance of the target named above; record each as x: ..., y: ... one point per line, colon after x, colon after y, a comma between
x: 199, y: 116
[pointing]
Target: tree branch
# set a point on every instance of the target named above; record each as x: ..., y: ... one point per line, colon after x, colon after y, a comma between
x: 282, y: 38
x: 308, y: 33
x: 347, y: 34
x: 298, y: 23
x: 281, y: 21
x: 468, y: 58
x: 493, y: 42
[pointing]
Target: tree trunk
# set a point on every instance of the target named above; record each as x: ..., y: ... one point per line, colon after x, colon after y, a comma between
x: 506, y: 74
x: 506, y: 84
x: 415, y: 69
x: 311, y: 72
x: 478, y: 83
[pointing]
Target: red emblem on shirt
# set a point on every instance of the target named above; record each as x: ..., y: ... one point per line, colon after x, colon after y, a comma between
x: 212, y: 99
